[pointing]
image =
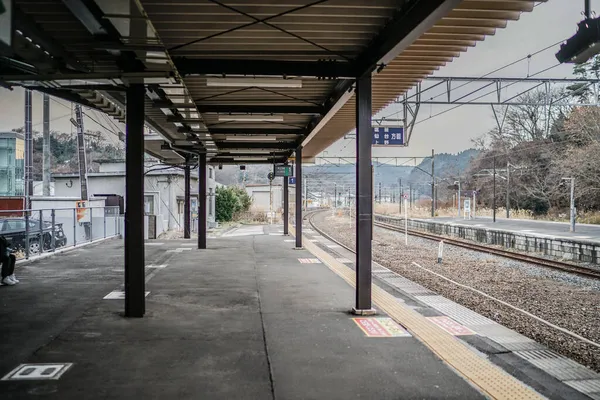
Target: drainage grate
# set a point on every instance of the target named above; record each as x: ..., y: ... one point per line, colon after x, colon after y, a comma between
x: 35, y: 372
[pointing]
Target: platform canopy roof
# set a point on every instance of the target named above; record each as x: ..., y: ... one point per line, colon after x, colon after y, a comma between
x: 246, y: 81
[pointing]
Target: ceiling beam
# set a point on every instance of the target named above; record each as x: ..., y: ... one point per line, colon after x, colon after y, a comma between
x: 224, y: 145
x: 230, y: 160
x: 256, y: 131
x: 407, y: 25
x: 260, y: 109
x: 318, y: 69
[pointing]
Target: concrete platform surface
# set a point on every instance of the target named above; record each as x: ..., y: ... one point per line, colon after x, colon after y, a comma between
x: 586, y: 232
x: 244, y: 319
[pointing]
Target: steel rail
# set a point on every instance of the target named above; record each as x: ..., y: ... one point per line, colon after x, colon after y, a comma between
x: 558, y: 265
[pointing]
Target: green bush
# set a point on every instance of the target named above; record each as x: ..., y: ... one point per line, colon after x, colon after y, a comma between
x: 229, y: 201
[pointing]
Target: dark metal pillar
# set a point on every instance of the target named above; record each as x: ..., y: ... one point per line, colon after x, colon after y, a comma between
x: 364, y: 196
x: 135, y: 301
x: 202, y: 201
x: 186, y: 201
x: 28, y: 150
x: 286, y: 205
x: 299, y: 198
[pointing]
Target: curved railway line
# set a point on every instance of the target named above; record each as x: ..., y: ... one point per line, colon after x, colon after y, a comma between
x: 530, y: 259
x: 553, y: 264
x: 539, y: 261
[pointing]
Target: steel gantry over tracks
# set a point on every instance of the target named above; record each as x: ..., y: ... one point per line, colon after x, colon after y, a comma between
x: 240, y: 81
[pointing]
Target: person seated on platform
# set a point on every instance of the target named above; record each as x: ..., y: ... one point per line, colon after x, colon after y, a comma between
x: 8, y: 260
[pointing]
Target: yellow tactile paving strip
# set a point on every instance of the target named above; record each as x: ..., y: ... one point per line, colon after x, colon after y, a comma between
x: 489, y: 378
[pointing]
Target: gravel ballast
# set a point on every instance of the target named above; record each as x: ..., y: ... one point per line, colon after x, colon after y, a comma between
x: 569, y: 301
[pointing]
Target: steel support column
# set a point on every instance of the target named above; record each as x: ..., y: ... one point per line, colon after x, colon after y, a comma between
x: 286, y: 205
x: 186, y: 203
x: 299, y: 198
x: 202, y: 201
x: 364, y: 196
x: 135, y: 301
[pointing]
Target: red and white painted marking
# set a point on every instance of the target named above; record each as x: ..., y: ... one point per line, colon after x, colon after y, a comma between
x: 381, y: 327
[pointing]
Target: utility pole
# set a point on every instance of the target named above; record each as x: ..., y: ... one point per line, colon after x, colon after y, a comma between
x: 432, y: 184
x: 81, y: 152
x: 507, y: 189
x: 572, y: 210
x: 28, y: 151
x: 379, y: 193
x: 410, y: 194
x: 494, y: 192
x: 46, y: 147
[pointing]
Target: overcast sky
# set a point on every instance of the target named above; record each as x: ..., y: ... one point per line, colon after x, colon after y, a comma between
x: 450, y: 132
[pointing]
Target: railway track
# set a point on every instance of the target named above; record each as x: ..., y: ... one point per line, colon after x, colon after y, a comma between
x: 557, y: 265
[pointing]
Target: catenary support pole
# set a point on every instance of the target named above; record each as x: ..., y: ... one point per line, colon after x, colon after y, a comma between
x: 401, y: 198
x: 458, y: 198
x: 364, y: 196
x: 572, y: 204
x: 432, y: 184
x: 286, y: 205
x: 135, y: 301
x: 47, y: 159
x: 299, y: 198
x: 186, y: 201
x: 507, y: 190
x: 494, y: 193
x: 202, y: 201
x: 335, y: 195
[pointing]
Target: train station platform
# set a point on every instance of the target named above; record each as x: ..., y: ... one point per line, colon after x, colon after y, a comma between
x: 585, y: 232
x: 248, y: 318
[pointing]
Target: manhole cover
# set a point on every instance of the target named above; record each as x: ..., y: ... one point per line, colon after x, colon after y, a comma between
x: 34, y: 372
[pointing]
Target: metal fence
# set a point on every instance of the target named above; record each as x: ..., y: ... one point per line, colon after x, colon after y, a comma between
x: 34, y: 232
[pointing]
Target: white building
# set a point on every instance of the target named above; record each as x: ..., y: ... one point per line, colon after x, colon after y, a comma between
x: 261, y: 196
x: 164, y: 190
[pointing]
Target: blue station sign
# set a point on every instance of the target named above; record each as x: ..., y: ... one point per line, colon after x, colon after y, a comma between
x: 388, y: 136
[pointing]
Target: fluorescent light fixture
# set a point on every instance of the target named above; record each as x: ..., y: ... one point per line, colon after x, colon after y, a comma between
x: 258, y: 82
x: 166, y: 111
x: 242, y: 151
x: 178, y: 124
x: 250, y: 118
x: 248, y: 158
x: 251, y: 139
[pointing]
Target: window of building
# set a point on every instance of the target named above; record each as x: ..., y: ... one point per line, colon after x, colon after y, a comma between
x: 210, y: 173
x: 148, y: 204
x: 210, y: 201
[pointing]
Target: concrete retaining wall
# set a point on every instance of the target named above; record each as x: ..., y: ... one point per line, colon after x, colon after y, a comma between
x: 581, y: 250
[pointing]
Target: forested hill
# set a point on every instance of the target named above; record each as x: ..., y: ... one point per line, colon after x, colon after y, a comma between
x: 63, y: 147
